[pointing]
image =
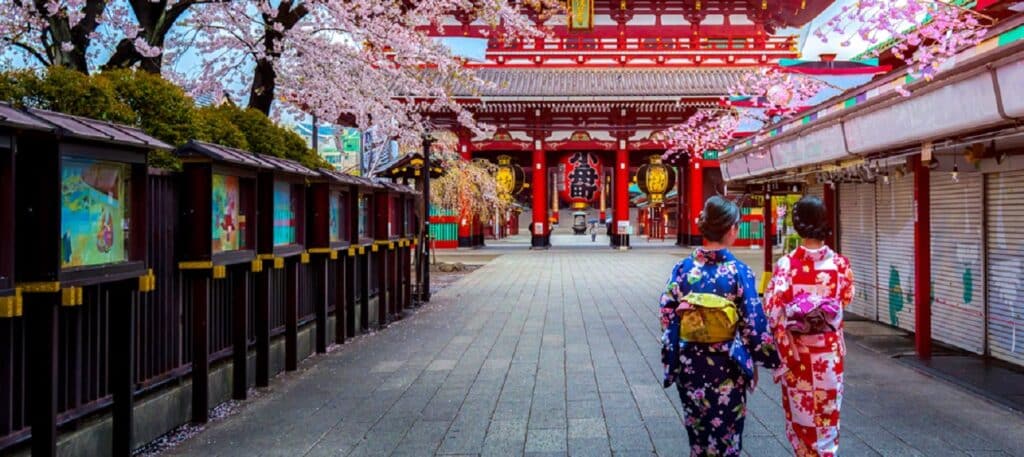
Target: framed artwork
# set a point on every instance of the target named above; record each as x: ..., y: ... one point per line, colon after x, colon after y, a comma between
x: 334, y: 216
x: 94, y: 212
x: 228, y: 227
x: 364, y: 216
x: 284, y: 214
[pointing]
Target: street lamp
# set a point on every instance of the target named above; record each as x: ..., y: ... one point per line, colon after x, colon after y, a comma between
x: 424, y: 264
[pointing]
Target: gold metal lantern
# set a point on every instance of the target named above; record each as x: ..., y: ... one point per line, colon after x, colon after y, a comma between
x: 655, y: 179
x: 510, y: 177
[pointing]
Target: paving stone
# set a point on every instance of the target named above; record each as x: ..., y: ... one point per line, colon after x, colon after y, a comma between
x: 673, y: 446
x: 587, y: 428
x: 584, y: 409
x: 546, y: 440
x: 629, y: 438
x: 589, y: 447
x: 527, y: 355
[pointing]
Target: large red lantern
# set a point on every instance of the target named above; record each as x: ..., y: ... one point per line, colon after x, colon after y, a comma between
x: 582, y: 179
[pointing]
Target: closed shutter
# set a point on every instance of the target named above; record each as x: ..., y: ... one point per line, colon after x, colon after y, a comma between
x: 857, y: 243
x: 958, y: 304
x: 817, y: 190
x: 1005, y: 251
x: 894, y: 208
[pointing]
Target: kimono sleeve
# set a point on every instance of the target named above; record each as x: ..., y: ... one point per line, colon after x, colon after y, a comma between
x: 845, y: 283
x: 775, y: 296
x: 670, y: 296
x: 754, y: 333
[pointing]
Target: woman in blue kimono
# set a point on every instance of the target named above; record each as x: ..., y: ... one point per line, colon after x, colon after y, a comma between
x: 713, y: 378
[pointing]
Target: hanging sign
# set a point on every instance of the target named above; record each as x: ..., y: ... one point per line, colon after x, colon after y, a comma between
x: 623, y: 228
x: 581, y: 14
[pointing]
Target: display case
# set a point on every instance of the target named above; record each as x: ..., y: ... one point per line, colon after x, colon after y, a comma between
x: 218, y: 205
x: 329, y: 237
x: 12, y: 123
x: 81, y: 196
x: 80, y: 189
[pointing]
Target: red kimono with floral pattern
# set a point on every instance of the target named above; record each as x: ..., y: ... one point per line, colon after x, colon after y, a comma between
x: 812, y: 365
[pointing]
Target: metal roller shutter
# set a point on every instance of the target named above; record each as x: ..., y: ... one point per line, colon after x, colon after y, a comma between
x: 958, y: 307
x: 857, y: 243
x: 1005, y: 257
x: 817, y: 190
x: 894, y: 208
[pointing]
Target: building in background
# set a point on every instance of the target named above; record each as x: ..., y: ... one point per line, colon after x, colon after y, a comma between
x: 339, y: 146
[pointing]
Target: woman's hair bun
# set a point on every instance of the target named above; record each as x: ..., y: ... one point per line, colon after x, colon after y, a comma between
x: 810, y: 218
x: 717, y: 218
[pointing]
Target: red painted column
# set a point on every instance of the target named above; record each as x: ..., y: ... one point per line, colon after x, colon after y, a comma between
x: 696, y: 197
x: 830, y: 212
x: 682, y: 204
x: 464, y: 233
x: 621, y: 193
x: 922, y: 260
x: 465, y: 219
x: 768, y: 244
x: 539, y: 229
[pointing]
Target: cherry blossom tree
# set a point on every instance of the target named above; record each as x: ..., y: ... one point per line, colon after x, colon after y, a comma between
x: 706, y: 130
x: 467, y: 187
x: 775, y: 91
x: 947, y: 28
x: 79, y: 33
x: 356, y: 62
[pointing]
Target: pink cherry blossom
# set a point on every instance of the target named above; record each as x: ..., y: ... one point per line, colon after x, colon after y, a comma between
x: 705, y: 130
x: 947, y: 29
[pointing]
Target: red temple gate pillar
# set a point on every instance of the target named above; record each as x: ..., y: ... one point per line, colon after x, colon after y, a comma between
x: 621, y: 210
x: 922, y: 260
x: 769, y: 242
x: 682, y: 204
x: 465, y: 235
x: 695, y: 181
x: 539, y: 228
x: 466, y: 220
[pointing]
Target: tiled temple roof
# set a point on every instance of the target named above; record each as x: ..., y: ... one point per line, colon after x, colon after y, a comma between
x: 606, y: 82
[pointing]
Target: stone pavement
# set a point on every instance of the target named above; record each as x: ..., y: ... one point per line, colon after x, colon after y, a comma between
x: 556, y: 352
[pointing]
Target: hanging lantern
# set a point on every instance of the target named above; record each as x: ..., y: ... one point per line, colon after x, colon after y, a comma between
x: 582, y: 179
x: 655, y: 179
x: 509, y: 176
x: 581, y: 14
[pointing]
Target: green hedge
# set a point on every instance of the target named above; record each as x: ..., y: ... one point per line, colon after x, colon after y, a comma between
x: 156, y: 106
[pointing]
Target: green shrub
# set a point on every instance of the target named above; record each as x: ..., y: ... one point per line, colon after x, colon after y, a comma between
x: 156, y: 106
x: 212, y: 124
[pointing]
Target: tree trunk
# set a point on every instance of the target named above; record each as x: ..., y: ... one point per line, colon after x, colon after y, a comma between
x: 264, y: 81
x: 261, y: 94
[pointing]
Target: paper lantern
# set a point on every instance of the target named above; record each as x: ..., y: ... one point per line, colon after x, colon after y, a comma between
x: 655, y: 179
x: 582, y: 179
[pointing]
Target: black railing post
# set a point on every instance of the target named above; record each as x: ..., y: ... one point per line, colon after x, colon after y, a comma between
x: 200, y: 280
x: 122, y: 377
x: 239, y: 328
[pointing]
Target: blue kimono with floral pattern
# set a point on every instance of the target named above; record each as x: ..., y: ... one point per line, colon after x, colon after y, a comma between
x: 713, y: 379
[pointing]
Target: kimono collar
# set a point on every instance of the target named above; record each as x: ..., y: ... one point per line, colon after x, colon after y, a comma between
x: 708, y: 256
x: 814, y: 255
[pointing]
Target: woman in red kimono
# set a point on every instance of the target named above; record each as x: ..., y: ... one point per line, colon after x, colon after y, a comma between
x: 804, y: 303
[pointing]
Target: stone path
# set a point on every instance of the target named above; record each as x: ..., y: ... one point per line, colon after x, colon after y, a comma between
x: 555, y: 352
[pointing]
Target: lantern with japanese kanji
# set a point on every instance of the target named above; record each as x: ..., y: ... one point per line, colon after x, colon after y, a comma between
x: 655, y: 179
x: 509, y: 176
x: 582, y: 179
